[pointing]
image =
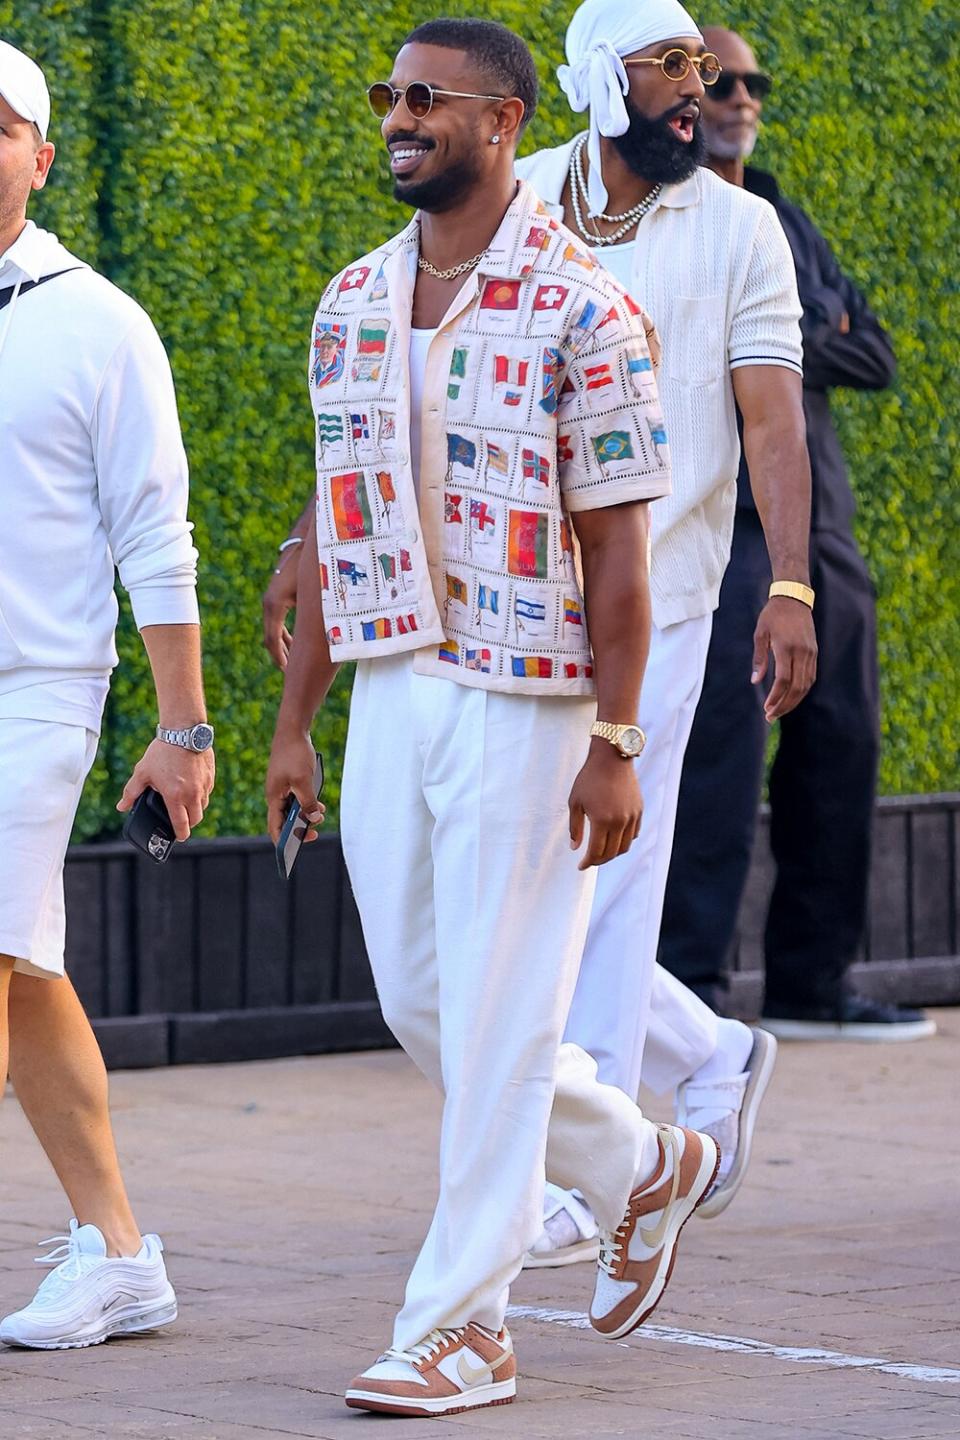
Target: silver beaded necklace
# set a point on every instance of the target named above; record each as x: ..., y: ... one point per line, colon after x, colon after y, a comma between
x: 625, y: 222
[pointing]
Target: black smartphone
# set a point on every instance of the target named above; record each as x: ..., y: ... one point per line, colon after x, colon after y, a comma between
x: 295, y: 827
x: 148, y: 826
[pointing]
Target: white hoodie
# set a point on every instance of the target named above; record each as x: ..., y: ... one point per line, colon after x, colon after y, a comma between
x: 92, y: 475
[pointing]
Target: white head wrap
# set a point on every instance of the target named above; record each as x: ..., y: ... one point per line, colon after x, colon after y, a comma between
x: 595, y: 77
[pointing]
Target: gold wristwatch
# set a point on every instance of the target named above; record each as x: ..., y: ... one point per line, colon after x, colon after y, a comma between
x: 793, y: 590
x: 628, y: 740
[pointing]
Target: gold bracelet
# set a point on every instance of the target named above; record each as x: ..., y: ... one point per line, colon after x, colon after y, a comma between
x: 793, y: 590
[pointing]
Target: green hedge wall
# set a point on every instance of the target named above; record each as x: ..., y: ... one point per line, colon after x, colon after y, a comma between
x: 218, y: 161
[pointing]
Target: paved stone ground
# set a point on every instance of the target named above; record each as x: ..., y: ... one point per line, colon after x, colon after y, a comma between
x: 292, y: 1196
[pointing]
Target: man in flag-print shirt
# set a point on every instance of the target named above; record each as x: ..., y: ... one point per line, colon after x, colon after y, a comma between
x: 490, y: 506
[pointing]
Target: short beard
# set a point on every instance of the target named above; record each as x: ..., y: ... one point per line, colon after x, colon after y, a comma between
x: 441, y: 192
x: 652, y: 150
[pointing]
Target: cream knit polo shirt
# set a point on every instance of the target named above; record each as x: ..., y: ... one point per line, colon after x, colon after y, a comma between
x: 713, y: 269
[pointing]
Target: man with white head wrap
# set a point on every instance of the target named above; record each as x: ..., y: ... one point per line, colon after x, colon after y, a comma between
x: 711, y: 265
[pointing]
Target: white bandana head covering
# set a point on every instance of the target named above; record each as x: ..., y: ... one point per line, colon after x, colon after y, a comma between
x: 23, y: 87
x: 595, y: 77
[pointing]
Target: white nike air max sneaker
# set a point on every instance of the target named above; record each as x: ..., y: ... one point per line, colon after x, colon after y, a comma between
x: 448, y: 1372
x: 91, y: 1296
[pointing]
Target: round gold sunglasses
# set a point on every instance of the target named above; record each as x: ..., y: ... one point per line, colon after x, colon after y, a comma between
x: 676, y: 65
x: 418, y: 97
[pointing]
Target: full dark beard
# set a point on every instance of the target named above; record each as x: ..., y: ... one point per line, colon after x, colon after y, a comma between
x: 440, y: 192
x: 654, y: 152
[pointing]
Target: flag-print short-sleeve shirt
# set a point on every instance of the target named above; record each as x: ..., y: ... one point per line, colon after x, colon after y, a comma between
x: 539, y: 400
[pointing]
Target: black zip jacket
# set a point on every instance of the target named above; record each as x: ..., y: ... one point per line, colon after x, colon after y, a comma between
x: 862, y: 359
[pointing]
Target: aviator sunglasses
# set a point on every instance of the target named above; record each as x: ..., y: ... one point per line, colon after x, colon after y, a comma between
x: 676, y: 65
x: 418, y: 98
x: 756, y: 84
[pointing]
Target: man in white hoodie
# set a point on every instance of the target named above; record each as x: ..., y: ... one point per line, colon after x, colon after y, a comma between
x: 711, y: 266
x: 92, y: 476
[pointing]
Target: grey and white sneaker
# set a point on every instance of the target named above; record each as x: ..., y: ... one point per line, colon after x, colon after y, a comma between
x: 727, y: 1109
x: 570, y: 1233
x: 90, y: 1296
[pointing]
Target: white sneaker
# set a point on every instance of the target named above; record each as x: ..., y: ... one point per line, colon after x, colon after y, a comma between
x: 570, y: 1233
x: 727, y: 1110
x: 448, y: 1372
x: 90, y: 1296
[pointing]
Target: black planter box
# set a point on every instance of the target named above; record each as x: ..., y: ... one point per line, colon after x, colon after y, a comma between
x: 211, y: 957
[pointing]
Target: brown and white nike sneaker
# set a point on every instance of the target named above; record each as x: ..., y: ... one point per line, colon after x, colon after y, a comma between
x: 636, y: 1260
x: 449, y: 1371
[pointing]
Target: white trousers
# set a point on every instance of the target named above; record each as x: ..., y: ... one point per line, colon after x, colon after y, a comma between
x: 611, y: 1009
x: 681, y: 1034
x: 455, y: 830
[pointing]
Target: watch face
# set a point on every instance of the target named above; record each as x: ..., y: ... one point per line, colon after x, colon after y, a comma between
x: 632, y: 740
x: 201, y: 737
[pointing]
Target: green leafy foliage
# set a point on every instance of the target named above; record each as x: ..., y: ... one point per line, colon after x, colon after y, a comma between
x: 217, y: 159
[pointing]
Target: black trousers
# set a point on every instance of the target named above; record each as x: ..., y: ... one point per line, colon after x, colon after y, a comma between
x: 822, y: 788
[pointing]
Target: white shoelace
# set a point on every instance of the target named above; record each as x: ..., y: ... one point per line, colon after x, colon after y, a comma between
x: 68, y: 1259
x: 431, y: 1345
x: 611, y: 1243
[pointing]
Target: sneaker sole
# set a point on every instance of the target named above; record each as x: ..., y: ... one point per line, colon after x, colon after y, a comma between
x: 568, y: 1255
x: 706, y: 1175
x: 827, y: 1030
x: 501, y: 1392
x: 139, y: 1321
x: 763, y: 1058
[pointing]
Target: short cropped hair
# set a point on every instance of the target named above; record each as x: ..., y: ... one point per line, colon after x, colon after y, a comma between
x: 497, y: 51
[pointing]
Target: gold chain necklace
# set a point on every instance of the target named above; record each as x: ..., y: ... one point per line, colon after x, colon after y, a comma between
x: 454, y: 270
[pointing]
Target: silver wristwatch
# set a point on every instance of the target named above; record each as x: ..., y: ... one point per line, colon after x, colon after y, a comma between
x: 194, y: 737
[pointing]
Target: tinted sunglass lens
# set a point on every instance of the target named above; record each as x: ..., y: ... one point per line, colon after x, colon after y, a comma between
x: 710, y: 69
x: 758, y: 86
x: 675, y: 64
x: 419, y: 98
x: 380, y: 97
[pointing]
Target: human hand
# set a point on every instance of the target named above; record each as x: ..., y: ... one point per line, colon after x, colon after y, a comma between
x: 290, y: 772
x: 786, y: 628
x: 279, y: 598
x: 606, y: 792
x: 183, y: 777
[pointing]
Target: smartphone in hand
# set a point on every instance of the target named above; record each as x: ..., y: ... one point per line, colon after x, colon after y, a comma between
x: 148, y: 826
x: 295, y: 827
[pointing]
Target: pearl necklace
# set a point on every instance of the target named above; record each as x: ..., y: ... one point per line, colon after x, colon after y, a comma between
x: 625, y: 222
x: 454, y: 270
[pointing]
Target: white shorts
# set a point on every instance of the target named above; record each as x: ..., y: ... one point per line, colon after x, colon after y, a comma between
x: 43, y: 765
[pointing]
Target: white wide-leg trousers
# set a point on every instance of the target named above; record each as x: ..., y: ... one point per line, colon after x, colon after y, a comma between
x: 455, y: 830
x: 611, y: 1007
x: 681, y: 1035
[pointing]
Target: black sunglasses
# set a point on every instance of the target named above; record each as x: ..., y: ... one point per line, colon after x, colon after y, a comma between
x: 757, y: 85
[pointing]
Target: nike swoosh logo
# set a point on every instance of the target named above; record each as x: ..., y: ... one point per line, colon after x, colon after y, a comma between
x: 654, y: 1238
x: 473, y: 1375
x: 121, y: 1297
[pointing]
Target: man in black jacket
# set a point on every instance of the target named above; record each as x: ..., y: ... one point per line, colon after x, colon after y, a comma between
x: 822, y: 784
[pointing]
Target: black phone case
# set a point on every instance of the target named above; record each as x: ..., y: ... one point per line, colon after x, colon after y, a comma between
x: 148, y: 827
x: 293, y: 815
